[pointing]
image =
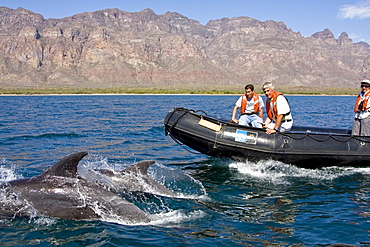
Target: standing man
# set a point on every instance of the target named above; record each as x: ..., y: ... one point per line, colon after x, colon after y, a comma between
x: 250, y: 105
x: 361, y: 124
x: 279, y: 117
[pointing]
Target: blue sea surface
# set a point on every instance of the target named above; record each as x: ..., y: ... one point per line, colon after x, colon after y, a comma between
x: 221, y: 202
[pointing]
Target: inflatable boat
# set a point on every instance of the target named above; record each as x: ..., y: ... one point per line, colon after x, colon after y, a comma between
x: 308, y: 147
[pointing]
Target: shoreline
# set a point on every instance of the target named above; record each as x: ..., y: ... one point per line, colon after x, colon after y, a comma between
x: 225, y: 90
x: 161, y: 94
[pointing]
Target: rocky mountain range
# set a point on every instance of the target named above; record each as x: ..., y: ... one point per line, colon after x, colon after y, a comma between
x: 114, y: 48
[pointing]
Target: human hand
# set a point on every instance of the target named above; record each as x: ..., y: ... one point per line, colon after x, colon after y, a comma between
x: 271, y: 131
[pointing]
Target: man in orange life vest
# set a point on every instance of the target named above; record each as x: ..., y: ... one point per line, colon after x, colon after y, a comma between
x: 361, y: 124
x: 279, y: 117
x: 250, y: 105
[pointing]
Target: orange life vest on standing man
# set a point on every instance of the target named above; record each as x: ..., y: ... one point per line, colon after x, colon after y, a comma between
x: 361, y: 102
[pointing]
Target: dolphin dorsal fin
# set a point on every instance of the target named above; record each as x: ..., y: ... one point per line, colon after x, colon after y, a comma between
x: 141, y: 167
x: 66, y: 167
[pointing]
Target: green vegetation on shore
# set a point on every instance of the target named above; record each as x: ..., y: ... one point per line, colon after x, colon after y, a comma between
x: 112, y: 91
x: 161, y: 90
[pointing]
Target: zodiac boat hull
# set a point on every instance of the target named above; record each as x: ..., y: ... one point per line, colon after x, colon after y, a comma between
x: 308, y: 147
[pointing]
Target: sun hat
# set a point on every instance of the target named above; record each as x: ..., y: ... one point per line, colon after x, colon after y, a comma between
x: 365, y: 82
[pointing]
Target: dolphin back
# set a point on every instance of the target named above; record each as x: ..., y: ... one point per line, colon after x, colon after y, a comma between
x: 66, y: 167
x: 141, y: 167
x: 141, y: 181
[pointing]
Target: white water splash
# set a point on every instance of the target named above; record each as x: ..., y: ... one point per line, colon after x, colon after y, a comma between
x: 184, y: 185
x: 163, y: 219
x: 7, y: 172
x: 176, y: 217
x: 44, y: 221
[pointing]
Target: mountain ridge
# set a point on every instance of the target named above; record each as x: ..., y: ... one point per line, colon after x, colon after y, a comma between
x: 114, y: 48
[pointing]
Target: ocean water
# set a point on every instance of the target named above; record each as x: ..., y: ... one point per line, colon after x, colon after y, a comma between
x: 220, y: 202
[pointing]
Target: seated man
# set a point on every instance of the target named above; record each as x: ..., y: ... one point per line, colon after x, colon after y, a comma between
x: 250, y: 105
x: 279, y: 117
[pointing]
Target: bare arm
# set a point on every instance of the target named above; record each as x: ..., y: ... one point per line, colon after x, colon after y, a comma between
x: 260, y: 113
x: 267, y: 121
x: 233, y: 117
x: 277, y: 124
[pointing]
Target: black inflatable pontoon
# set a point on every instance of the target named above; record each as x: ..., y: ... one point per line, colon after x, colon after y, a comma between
x: 307, y: 147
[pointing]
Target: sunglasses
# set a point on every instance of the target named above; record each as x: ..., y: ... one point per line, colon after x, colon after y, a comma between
x: 365, y: 86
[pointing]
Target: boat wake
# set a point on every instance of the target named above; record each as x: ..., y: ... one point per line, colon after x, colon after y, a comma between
x: 280, y: 173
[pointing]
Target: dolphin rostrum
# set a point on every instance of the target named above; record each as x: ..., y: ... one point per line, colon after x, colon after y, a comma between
x: 59, y: 192
x: 135, y: 178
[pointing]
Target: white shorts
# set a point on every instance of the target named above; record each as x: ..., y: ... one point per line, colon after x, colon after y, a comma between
x: 284, y: 126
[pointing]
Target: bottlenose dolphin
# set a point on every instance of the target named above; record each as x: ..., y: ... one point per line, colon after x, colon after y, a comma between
x: 135, y: 178
x: 60, y: 192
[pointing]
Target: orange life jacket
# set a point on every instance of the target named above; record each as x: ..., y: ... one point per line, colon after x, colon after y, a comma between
x: 255, y: 98
x: 361, y: 102
x: 272, y: 113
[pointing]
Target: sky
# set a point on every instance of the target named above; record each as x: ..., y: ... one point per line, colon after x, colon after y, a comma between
x: 304, y: 16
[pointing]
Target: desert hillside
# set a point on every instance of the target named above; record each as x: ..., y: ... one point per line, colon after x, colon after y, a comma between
x: 113, y: 48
